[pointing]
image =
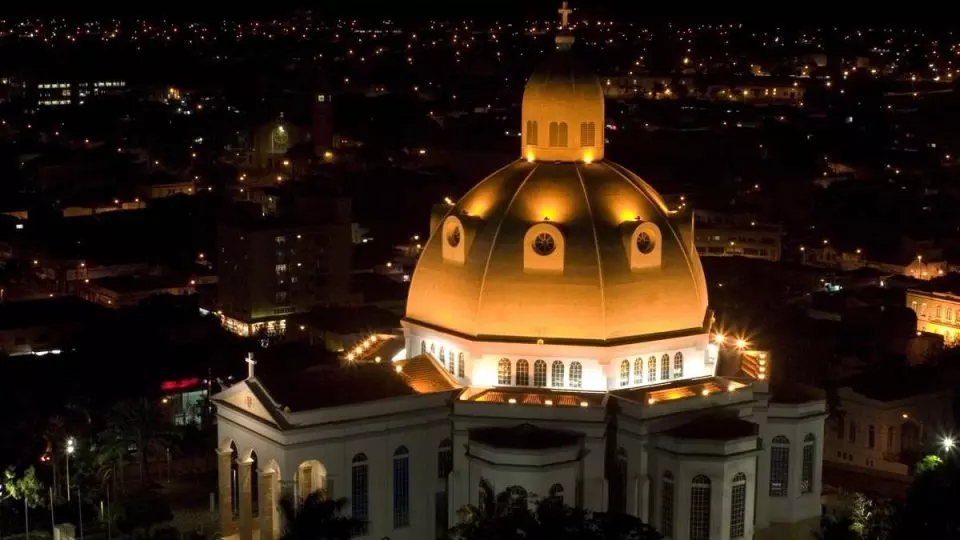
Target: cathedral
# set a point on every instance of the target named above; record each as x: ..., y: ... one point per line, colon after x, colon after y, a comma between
x: 558, y: 341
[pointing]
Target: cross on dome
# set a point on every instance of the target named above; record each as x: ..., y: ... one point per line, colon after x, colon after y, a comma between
x: 564, y: 12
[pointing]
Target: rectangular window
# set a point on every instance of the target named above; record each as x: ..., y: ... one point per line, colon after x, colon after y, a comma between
x: 872, y: 437
x: 738, y: 510
x: 588, y: 131
x: 359, y: 502
x: 939, y: 312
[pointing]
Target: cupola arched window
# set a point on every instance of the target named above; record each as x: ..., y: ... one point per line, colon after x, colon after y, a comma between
x: 738, y: 506
x: 624, y: 373
x: 556, y: 375
x: 700, y: 508
x: 461, y: 367
x: 678, y: 365
x: 540, y: 373
x: 523, y: 373
x: 532, y: 132
x: 652, y: 369
x: 451, y: 359
x: 806, y: 467
x: 576, y: 375
x: 503, y: 371
x: 423, y: 347
x: 638, y: 371
x: 588, y: 134
x: 779, y: 466
x: 665, y: 368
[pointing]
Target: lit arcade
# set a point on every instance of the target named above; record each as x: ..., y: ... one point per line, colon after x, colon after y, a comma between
x: 557, y: 338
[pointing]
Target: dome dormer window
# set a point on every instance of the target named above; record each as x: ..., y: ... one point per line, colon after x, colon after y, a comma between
x: 543, y: 248
x: 645, y: 244
x: 455, y: 239
x: 544, y: 244
x: 642, y: 240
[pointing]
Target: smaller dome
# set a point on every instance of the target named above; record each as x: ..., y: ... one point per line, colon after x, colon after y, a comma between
x: 563, y: 112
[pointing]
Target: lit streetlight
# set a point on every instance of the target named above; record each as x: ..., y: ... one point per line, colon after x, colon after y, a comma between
x: 71, y: 447
x: 948, y: 443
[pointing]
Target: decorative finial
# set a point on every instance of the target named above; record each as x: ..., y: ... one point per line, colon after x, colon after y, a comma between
x: 564, y: 12
x: 250, y: 363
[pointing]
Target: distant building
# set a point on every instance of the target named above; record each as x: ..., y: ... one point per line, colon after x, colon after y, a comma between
x: 827, y: 256
x: 40, y: 327
x: 728, y: 235
x: 937, y: 313
x: 274, y: 264
x: 60, y: 93
x: 130, y: 290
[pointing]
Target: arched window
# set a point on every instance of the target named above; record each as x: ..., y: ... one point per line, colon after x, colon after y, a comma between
x: 700, y: 508
x: 556, y: 491
x: 554, y: 134
x: 532, y: 132
x: 556, y: 374
x: 806, y: 467
x: 624, y: 373
x: 540, y: 373
x: 678, y: 365
x: 517, y: 497
x: 461, y: 367
x: 618, y: 486
x: 562, y: 135
x: 588, y: 131
x: 254, y: 482
x: 360, y: 489
x: 484, y: 495
x: 433, y: 349
x: 665, y: 368
x: 779, y: 466
x: 423, y: 347
x: 738, y: 506
x: 401, y: 487
x: 638, y: 371
x: 667, y: 494
x: 503, y: 372
x: 443, y: 356
x: 235, y: 477
x: 444, y: 458
x: 523, y: 373
x: 576, y: 375
x: 451, y: 358
x: 652, y: 369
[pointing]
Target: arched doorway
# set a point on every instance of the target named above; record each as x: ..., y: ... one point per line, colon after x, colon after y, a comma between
x: 254, y: 482
x: 235, y: 479
x: 311, y: 477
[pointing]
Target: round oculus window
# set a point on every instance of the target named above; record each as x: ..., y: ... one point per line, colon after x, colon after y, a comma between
x: 454, y: 236
x: 645, y: 243
x: 544, y: 244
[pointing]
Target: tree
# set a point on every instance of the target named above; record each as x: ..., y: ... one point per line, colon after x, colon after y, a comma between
x: 25, y: 487
x: 930, y: 508
x: 318, y: 518
x: 141, y: 512
x: 508, y: 516
x: 139, y: 423
x: 927, y: 463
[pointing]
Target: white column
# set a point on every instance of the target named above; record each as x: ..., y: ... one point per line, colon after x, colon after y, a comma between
x: 225, y: 483
x: 246, y: 500
x: 268, y: 506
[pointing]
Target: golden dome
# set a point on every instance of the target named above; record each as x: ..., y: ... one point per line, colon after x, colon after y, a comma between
x: 562, y: 117
x: 573, y: 251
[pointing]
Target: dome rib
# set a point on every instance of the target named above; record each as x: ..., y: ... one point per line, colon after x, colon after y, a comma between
x: 596, y: 243
x: 683, y: 247
x: 496, y: 233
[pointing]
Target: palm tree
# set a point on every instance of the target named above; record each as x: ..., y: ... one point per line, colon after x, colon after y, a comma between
x: 140, y: 424
x: 318, y: 518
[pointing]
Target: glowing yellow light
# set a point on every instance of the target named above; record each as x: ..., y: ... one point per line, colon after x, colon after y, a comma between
x: 511, y: 401
x: 584, y: 404
x: 731, y: 387
x: 399, y: 369
x: 719, y: 339
x: 588, y: 157
x: 350, y: 357
x: 705, y: 392
x: 377, y: 359
x: 530, y: 157
x: 651, y: 401
x: 742, y: 343
x: 548, y: 402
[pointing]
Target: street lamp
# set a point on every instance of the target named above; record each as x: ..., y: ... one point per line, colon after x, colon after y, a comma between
x: 947, y: 443
x: 71, y: 446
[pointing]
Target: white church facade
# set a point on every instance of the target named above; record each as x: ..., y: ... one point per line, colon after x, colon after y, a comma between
x: 557, y: 339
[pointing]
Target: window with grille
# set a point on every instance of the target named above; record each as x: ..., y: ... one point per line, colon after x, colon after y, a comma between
x: 588, y: 134
x: 806, y: 467
x: 666, y: 504
x: 401, y: 487
x: 554, y: 134
x: 540, y: 373
x: 665, y: 368
x: 638, y: 371
x: 652, y: 369
x: 461, y: 368
x: 423, y: 347
x: 556, y: 375
x: 678, y: 365
x: 700, y: 508
x: 360, y: 491
x: 443, y: 356
x: 451, y: 359
x: 523, y: 373
x: 532, y: 132
x: 503, y: 371
x: 738, y: 506
x: 779, y: 466
x: 576, y: 375
x: 562, y: 135
x: 624, y: 373
x: 444, y: 458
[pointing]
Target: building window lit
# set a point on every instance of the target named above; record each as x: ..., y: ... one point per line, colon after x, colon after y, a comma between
x: 503, y: 371
x: 665, y: 368
x: 652, y: 369
x: 532, y: 134
x: 451, y: 362
x: 700, y: 508
x: 556, y: 375
x: 678, y: 365
x: 779, y: 466
x: 806, y: 467
x: 576, y: 375
x: 638, y: 371
x: 523, y: 373
x: 461, y: 368
x: 588, y: 131
x: 540, y: 373
x: 401, y: 487
x: 360, y: 499
x: 624, y: 373
x: 738, y: 506
x: 666, y: 504
x: 443, y: 356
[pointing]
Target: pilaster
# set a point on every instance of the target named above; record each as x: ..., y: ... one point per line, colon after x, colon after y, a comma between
x: 268, y: 506
x: 246, y: 500
x: 224, y: 484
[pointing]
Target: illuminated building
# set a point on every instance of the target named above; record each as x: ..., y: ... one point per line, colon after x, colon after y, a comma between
x: 261, y: 155
x: 741, y: 237
x: 59, y: 93
x: 937, y: 313
x: 322, y: 125
x: 557, y: 340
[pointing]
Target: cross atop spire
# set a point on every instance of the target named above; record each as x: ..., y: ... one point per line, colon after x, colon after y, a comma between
x: 564, y: 12
x: 250, y: 363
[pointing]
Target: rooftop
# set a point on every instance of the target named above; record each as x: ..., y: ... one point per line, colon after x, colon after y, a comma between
x: 523, y: 437
x: 898, y: 382
x: 48, y: 311
x: 715, y: 428
x: 528, y: 396
x: 678, y: 390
